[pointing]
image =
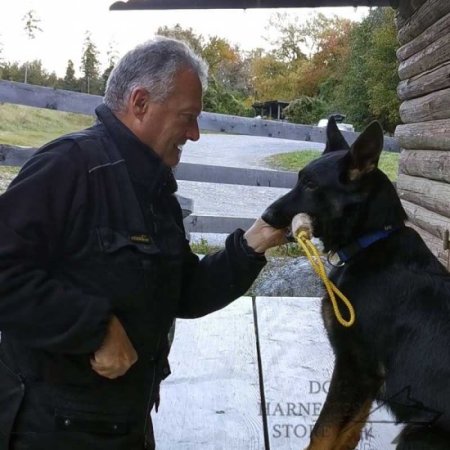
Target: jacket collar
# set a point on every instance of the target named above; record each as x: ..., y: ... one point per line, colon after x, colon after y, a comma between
x: 144, y: 165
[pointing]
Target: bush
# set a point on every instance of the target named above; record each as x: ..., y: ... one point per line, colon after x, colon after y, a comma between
x: 305, y: 110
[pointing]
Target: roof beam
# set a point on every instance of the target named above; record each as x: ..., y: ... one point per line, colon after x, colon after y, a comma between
x: 242, y: 4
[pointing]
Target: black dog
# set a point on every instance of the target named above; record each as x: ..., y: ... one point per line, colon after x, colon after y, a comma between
x: 398, y: 350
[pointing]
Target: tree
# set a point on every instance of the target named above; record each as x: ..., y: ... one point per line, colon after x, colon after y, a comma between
x: 306, y: 110
x: 112, y: 59
x: 368, y: 89
x: 90, y: 65
x: 186, y: 35
x: 292, y: 37
x: 226, y: 65
x: 31, y: 27
x: 382, y: 68
x: 70, y: 82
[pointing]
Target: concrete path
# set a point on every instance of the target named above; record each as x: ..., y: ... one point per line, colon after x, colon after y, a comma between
x: 240, y: 151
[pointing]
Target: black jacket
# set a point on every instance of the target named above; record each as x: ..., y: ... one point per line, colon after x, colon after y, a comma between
x: 91, y: 227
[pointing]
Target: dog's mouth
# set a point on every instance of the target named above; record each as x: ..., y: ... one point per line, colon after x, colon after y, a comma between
x: 302, y: 223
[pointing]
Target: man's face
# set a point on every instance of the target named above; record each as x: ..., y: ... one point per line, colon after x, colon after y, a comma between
x: 166, y: 126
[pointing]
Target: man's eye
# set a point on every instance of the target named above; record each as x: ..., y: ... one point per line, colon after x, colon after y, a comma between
x: 189, y: 117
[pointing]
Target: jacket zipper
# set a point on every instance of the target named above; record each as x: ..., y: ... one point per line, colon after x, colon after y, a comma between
x: 149, y: 402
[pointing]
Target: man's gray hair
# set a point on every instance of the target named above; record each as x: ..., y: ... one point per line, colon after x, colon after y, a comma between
x: 153, y: 66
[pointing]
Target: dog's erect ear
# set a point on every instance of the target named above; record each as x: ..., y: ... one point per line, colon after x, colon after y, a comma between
x: 365, y: 151
x: 335, y: 140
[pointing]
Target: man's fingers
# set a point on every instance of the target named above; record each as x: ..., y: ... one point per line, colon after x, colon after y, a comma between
x: 108, y: 371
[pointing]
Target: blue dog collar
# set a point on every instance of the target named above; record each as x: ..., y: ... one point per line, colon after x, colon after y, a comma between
x: 341, y: 256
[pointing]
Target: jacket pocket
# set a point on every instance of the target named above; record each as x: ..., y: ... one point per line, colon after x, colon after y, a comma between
x: 11, y: 396
x: 126, y: 262
x: 70, y: 420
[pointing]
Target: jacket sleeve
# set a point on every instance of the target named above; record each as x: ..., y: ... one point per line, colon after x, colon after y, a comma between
x: 36, y: 213
x: 216, y: 280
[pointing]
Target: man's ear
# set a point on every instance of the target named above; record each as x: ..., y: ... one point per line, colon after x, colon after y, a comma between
x: 138, y: 103
x: 335, y: 140
x: 365, y: 151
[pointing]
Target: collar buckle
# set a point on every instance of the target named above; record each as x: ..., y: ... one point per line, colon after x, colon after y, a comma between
x: 334, y: 259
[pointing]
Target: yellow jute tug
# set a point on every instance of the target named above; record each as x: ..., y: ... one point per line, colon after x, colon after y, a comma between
x: 303, y: 240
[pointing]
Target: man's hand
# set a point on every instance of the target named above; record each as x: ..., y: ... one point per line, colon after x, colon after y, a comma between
x: 261, y: 236
x: 116, y: 354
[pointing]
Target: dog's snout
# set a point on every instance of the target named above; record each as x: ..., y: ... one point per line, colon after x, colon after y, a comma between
x: 275, y: 219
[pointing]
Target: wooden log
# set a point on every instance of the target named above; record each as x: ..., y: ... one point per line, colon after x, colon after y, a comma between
x: 431, y: 164
x: 429, y: 13
x: 434, y: 244
x: 430, y: 35
x: 433, y: 135
x: 434, y: 106
x: 424, y: 83
x: 435, y: 224
x: 405, y: 10
x: 430, y: 194
x: 431, y: 56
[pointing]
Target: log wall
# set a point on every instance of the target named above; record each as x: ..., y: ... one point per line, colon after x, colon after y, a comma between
x: 424, y: 137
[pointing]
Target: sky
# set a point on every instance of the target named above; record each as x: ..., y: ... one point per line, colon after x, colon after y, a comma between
x: 64, y: 25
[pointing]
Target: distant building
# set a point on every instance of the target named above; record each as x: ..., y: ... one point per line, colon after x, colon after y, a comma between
x: 272, y: 109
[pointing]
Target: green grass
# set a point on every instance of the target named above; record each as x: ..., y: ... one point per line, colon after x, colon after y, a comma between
x: 9, y: 171
x: 33, y: 127
x: 295, y: 161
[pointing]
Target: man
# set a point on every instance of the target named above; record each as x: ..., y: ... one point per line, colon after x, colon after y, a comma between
x: 95, y: 266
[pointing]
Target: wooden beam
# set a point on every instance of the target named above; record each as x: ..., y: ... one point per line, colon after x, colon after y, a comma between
x: 234, y: 175
x: 426, y: 82
x: 430, y: 35
x: 11, y: 155
x: 434, y: 106
x: 241, y: 4
x: 58, y: 99
x: 438, y: 52
x: 216, y: 224
x: 431, y: 164
x: 432, y: 195
x: 433, y: 135
x: 429, y: 13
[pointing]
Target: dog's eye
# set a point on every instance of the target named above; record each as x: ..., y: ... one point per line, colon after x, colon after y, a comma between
x: 309, y: 184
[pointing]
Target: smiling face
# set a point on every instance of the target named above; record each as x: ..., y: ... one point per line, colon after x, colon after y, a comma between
x: 166, y: 126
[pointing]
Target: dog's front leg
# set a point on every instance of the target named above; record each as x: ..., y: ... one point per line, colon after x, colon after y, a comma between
x: 345, y: 410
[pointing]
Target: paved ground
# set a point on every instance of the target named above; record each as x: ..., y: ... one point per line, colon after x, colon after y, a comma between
x: 240, y: 151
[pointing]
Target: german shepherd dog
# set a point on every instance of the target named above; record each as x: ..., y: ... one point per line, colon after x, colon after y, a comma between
x: 398, y: 350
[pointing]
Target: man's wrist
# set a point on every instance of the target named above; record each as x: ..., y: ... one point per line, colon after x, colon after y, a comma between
x: 252, y: 247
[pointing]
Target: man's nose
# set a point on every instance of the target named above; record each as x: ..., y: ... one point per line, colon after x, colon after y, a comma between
x: 193, y: 133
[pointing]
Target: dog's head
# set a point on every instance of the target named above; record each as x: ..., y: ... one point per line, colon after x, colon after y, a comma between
x: 343, y: 192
